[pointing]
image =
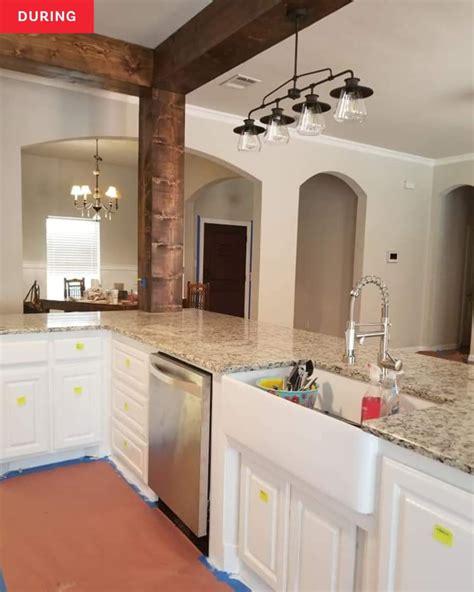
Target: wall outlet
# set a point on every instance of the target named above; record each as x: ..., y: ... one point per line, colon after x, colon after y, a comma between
x: 392, y: 256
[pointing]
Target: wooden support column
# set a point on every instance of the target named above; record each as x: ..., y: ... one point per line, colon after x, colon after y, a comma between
x: 161, y: 200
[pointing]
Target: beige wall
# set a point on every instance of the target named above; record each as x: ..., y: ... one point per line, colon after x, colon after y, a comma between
x: 228, y: 199
x: 325, y: 254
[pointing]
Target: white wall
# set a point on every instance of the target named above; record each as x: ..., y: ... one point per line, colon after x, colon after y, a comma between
x: 325, y: 255
x: 46, y: 183
x: 396, y: 218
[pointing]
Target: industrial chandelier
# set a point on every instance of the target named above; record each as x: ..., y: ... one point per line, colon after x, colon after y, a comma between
x: 350, y: 106
x: 95, y: 202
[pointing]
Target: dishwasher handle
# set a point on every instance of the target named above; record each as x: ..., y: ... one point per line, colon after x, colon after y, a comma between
x: 184, y: 385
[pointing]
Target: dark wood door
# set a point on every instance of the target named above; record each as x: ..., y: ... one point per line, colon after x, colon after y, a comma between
x: 225, y: 249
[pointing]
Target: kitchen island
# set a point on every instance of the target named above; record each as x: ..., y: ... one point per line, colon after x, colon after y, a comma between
x: 286, y: 482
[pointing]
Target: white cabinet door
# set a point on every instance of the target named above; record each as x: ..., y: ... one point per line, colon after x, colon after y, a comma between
x: 24, y: 412
x: 264, y: 501
x: 77, y: 407
x: 322, y: 547
x: 426, y: 533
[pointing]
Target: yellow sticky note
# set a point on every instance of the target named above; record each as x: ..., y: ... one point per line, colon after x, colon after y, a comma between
x: 125, y: 444
x: 79, y: 346
x: 21, y: 401
x: 77, y: 390
x: 443, y: 535
x: 125, y: 406
x: 263, y: 495
x: 127, y: 362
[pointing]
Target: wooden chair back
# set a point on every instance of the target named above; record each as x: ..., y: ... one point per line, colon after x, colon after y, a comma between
x: 198, y: 295
x: 74, y: 288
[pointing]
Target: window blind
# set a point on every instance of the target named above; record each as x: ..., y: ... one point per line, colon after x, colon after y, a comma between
x: 73, y: 251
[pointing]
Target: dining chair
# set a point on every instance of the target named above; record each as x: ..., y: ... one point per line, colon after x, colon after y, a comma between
x: 74, y: 288
x: 198, y: 295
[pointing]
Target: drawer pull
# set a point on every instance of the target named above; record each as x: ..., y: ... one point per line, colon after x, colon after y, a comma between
x: 21, y: 401
x: 125, y: 406
x: 127, y: 363
x: 125, y: 444
x: 263, y: 495
x: 80, y: 346
x: 77, y: 390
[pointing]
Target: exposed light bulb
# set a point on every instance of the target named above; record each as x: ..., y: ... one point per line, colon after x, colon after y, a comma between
x: 350, y: 107
x: 277, y: 127
x: 249, y: 141
x: 311, y: 122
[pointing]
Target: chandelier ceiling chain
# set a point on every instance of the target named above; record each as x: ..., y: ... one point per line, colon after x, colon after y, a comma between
x: 350, y: 106
x: 94, y: 200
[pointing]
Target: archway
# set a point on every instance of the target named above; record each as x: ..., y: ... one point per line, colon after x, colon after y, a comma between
x: 331, y: 221
x: 226, y: 210
x: 452, y: 284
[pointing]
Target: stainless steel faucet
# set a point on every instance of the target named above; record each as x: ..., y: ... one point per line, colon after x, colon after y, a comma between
x: 384, y: 359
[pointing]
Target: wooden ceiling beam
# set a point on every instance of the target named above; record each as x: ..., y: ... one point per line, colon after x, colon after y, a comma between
x: 93, y: 60
x: 227, y: 33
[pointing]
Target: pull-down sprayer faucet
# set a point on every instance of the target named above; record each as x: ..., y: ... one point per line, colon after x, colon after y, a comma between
x: 384, y: 360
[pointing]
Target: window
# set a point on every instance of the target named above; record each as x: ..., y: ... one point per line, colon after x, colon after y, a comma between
x: 73, y: 251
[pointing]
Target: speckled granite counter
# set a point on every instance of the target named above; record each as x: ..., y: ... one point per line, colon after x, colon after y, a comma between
x: 224, y: 344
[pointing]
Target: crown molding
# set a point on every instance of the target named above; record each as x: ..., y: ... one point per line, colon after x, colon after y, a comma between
x: 232, y: 119
x: 468, y: 157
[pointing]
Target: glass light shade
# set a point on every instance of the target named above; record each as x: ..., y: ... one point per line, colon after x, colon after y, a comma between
x: 249, y: 141
x: 112, y: 193
x: 76, y: 191
x: 276, y: 133
x: 86, y: 190
x: 311, y: 121
x: 350, y: 107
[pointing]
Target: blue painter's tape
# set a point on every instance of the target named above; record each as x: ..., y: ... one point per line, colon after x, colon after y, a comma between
x: 136, y: 489
x: 50, y: 467
x: 224, y: 577
x: 3, y: 586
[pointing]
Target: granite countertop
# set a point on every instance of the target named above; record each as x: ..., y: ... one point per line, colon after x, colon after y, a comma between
x: 225, y: 344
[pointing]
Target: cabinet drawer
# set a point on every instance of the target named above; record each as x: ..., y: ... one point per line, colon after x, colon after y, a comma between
x: 23, y: 352
x: 130, y: 450
x: 130, y: 408
x: 78, y: 348
x: 130, y: 365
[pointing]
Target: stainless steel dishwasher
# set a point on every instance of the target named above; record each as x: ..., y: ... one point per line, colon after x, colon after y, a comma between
x: 180, y: 414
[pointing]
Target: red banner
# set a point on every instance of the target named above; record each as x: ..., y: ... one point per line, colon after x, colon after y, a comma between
x: 46, y: 16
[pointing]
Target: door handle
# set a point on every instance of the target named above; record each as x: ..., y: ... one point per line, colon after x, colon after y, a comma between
x: 184, y: 385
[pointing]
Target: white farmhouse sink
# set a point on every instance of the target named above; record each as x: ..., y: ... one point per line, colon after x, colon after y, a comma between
x: 335, y: 457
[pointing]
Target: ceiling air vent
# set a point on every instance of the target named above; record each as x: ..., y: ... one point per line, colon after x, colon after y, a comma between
x: 240, y: 81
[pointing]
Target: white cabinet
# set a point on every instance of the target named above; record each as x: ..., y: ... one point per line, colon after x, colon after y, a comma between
x: 322, y: 547
x: 264, y: 506
x: 77, y: 408
x: 24, y: 412
x: 426, y: 533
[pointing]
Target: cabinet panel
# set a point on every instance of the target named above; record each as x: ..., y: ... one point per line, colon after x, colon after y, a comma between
x: 78, y: 348
x: 24, y: 412
x: 262, y: 531
x: 130, y: 365
x: 130, y: 408
x: 130, y: 449
x: 322, y: 548
x: 77, y: 409
x: 23, y: 352
x: 426, y: 533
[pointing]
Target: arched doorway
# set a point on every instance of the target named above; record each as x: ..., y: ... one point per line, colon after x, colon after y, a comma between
x: 222, y: 228
x: 453, y: 277
x: 331, y: 219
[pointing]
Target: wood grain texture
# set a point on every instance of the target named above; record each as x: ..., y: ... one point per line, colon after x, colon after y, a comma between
x: 161, y: 200
x: 225, y: 34
x: 93, y: 60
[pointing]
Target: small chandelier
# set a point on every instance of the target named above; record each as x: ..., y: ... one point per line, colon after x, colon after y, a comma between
x: 350, y: 106
x: 95, y: 202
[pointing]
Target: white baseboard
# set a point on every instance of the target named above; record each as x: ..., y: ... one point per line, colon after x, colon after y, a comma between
x: 470, y: 359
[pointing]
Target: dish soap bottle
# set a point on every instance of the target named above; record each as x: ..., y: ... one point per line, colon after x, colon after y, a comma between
x: 390, y: 395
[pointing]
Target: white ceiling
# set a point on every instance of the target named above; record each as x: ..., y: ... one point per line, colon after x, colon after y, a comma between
x: 146, y: 22
x: 119, y: 152
x: 417, y: 55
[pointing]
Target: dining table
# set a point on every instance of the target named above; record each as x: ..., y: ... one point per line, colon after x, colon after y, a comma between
x: 84, y: 305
